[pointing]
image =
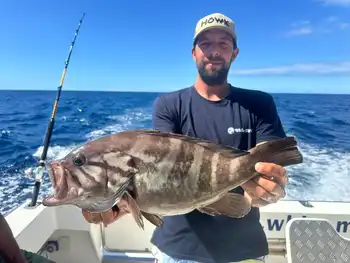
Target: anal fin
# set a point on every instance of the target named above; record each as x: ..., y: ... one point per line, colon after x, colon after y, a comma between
x: 154, y: 219
x: 232, y: 205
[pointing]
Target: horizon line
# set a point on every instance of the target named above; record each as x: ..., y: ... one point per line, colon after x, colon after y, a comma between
x: 132, y: 91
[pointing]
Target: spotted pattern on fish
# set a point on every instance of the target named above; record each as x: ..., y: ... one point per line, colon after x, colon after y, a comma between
x: 224, y: 150
x: 170, y: 173
x: 215, y: 160
x: 169, y: 156
x: 92, y: 172
x: 164, y: 168
x: 150, y: 150
x: 205, y: 172
x: 181, y: 164
x: 195, y: 171
x: 222, y: 174
x: 117, y: 172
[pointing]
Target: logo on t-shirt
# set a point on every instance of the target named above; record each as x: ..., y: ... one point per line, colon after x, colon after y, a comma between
x: 232, y: 130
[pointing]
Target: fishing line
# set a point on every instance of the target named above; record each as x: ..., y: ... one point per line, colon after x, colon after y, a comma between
x: 41, y: 165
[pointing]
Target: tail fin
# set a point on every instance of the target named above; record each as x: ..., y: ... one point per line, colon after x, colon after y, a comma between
x: 283, y: 152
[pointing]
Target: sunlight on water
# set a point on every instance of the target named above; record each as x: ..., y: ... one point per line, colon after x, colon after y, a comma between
x: 323, y: 175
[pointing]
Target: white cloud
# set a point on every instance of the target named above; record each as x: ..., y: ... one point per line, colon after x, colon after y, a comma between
x: 301, y: 68
x: 305, y: 27
x: 344, y: 3
x: 301, y: 23
x: 299, y: 31
x: 299, y: 28
x: 343, y: 25
x: 336, y: 22
x: 332, y: 19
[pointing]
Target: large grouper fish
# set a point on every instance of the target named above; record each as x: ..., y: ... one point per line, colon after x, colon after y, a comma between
x: 155, y: 174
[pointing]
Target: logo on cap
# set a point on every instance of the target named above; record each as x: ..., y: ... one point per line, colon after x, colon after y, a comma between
x: 215, y: 19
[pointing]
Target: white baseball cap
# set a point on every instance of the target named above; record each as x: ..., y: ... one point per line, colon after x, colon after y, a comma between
x: 215, y: 20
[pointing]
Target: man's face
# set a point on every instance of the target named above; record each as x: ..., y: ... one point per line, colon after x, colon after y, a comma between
x: 213, y: 55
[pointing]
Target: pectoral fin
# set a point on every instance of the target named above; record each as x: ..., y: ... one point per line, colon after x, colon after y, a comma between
x: 154, y: 219
x: 232, y: 205
x: 134, y: 209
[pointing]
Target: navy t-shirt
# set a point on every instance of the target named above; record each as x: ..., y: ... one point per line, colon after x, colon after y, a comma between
x: 243, y: 119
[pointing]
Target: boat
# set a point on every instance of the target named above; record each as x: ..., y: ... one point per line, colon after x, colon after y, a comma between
x: 295, y: 229
x: 62, y: 234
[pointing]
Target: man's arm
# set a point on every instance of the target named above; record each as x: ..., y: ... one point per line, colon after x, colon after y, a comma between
x: 164, y: 116
x: 9, y: 249
x: 269, y: 126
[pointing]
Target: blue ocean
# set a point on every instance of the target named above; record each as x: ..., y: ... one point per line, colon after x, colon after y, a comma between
x: 321, y: 124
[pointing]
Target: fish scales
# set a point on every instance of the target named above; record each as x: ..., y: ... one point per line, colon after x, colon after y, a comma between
x: 197, y: 173
x: 169, y: 170
x: 176, y: 160
x: 149, y: 149
x: 161, y: 173
x: 117, y: 151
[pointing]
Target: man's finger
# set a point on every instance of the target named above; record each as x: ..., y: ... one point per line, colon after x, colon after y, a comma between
x: 258, y: 191
x: 255, y: 201
x: 272, y: 170
x: 270, y: 186
x: 96, y: 218
x: 109, y: 217
x: 87, y: 216
x: 92, y: 217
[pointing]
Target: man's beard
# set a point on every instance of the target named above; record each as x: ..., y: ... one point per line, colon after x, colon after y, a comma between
x: 213, y: 77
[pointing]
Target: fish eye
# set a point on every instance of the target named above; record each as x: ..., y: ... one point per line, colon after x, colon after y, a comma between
x: 79, y: 160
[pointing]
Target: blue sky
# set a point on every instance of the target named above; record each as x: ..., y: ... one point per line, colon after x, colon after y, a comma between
x: 285, y: 46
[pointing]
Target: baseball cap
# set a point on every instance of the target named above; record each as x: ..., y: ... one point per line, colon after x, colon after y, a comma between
x: 215, y: 20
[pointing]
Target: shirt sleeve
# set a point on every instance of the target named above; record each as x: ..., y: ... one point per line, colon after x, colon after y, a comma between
x: 269, y: 126
x: 164, y: 116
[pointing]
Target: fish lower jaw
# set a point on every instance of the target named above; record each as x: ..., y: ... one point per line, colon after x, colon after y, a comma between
x: 60, y: 193
x: 52, y: 195
x: 48, y: 196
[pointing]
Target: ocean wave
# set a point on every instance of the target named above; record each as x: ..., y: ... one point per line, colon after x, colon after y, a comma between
x: 323, y: 138
x: 321, y: 176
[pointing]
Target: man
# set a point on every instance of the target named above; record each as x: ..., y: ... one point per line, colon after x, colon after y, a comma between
x: 10, y: 251
x: 214, y: 110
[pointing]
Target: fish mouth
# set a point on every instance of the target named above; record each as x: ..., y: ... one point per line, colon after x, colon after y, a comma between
x: 58, y: 180
x: 53, y: 200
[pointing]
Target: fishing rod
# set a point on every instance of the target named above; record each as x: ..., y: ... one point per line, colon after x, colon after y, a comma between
x: 41, y: 164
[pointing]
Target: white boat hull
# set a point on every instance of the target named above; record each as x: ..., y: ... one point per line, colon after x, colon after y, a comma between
x: 64, y: 235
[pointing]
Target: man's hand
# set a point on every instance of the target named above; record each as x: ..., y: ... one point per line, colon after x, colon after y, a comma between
x: 120, y: 209
x: 106, y: 218
x: 267, y: 188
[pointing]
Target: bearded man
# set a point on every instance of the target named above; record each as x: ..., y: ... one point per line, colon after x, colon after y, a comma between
x: 214, y: 110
